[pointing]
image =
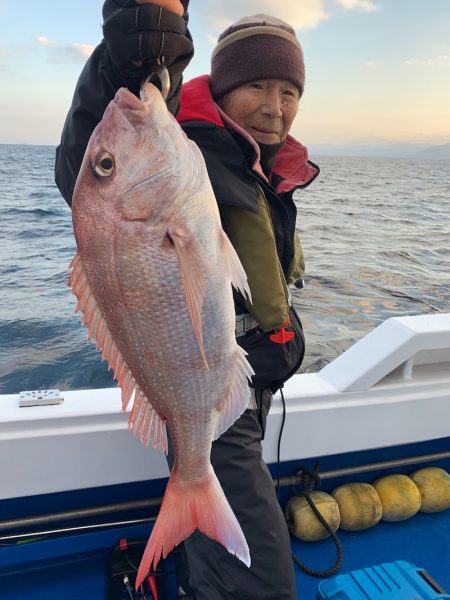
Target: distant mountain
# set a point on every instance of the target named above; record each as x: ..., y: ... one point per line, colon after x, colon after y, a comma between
x: 371, y: 141
x: 378, y: 147
x: 441, y: 151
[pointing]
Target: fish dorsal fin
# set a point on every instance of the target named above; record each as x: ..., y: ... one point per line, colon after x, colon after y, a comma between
x: 192, y: 261
x: 234, y: 267
x: 239, y: 394
x: 144, y: 421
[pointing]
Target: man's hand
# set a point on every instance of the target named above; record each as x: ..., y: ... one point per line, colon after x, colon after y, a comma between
x: 172, y: 5
x: 137, y: 34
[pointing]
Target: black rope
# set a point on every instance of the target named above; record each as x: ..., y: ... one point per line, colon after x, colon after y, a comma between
x: 279, y: 444
x: 309, y: 480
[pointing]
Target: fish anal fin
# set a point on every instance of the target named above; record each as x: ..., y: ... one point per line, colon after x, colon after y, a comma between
x: 144, y: 421
x: 193, y: 263
x: 234, y: 266
x: 146, y: 424
x: 238, y: 397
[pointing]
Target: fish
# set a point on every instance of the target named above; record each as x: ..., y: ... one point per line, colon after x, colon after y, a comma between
x: 153, y: 276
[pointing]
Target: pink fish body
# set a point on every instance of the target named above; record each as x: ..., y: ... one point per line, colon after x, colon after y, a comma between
x: 152, y: 277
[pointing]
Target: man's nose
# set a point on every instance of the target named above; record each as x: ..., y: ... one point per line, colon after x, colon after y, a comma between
x: 272, y: 103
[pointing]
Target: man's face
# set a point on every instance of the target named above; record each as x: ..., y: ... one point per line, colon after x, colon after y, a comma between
x: 264, y: 108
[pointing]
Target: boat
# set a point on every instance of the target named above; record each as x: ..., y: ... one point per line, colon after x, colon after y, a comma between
x: 74, y: 481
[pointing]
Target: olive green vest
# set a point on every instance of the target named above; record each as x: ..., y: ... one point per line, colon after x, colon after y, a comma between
x: 253, y: 238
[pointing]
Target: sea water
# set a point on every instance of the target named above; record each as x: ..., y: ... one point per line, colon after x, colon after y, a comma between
x: 375, y: 233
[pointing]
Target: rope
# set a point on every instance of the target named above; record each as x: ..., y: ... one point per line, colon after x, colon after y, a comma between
x: 279, y: 444
x: 309, y: 480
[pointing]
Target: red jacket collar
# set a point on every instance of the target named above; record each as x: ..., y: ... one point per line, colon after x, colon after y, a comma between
x: 291, y: 164
x: 197, y: 103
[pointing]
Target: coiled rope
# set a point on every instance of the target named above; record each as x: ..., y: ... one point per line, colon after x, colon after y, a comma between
x: 309, y: 480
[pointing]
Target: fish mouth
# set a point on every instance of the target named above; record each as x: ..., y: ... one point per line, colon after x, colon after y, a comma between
x: 128, y: 107
x: 126, y: 100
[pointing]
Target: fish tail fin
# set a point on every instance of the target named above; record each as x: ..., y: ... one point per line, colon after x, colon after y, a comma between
x: 186, y: 507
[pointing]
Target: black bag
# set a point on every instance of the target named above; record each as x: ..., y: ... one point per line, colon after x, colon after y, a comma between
x: 274, y: 363
x: 122, y: 567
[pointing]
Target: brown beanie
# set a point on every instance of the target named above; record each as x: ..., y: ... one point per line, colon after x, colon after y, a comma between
x: 254, y: 48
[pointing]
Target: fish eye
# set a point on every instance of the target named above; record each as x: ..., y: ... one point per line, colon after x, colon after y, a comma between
x: 105, y: 165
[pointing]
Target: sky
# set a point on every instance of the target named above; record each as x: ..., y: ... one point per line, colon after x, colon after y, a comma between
x: 374, y: 68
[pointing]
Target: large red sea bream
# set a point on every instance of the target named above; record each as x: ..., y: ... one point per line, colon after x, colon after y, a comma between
x: 153, y: 276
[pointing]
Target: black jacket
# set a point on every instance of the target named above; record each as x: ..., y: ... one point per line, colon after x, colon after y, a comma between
x: 244, y: 195
x: 259, y: 216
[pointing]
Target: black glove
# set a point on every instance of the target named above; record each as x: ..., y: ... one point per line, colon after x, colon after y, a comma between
x: 138, y: 35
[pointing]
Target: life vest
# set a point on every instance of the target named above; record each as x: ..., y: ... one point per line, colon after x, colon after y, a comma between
x: 258, y: 216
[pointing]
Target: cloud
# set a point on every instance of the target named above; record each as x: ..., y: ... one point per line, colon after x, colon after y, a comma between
x: 65, y: 52
x: 80, y: 50
x: 441, y: 60
x: 212, y: 39
x: 308, y: 14
x: 371, y: 64
x: 363, y: 5
x: 44, y: 41
x: 220, y: 15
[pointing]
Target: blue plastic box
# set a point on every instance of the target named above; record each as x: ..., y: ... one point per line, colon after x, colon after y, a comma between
x: 398, y: 580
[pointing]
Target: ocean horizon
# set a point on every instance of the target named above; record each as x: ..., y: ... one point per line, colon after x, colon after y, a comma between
x: 374, y: 233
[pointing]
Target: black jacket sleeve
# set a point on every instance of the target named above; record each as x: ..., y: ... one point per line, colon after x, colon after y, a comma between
x: 112, y: 66
x: 96, y: 86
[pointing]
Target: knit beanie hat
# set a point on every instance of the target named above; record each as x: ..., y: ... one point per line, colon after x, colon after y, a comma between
x: 254, y: 48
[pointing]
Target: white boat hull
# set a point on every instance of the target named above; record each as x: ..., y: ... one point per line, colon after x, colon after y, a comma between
x: 391, y: 388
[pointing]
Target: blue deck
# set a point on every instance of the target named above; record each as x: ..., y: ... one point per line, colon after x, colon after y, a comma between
x: 423, y: 540
x: 73, y: 567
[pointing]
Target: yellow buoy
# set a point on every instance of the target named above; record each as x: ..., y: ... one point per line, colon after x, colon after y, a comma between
x: 399, y: 497
x: 434, y: 488
x: 359, y: 505
x: 304, y: 524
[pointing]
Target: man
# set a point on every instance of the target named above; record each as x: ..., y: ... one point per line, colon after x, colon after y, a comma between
x: 240, y: 117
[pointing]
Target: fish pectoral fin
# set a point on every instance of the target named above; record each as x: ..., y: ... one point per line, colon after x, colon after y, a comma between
x: 234, y: 266
x: 238, y: 396
x: 193, y: 264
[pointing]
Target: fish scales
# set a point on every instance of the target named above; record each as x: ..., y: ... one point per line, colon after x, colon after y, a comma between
x: 153, y: 275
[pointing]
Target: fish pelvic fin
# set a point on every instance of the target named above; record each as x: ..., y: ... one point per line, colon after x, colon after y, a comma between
x: 193, y: 262
x: 144, y: 421
x: 234, y: 267
x: 189, y: 506
x: 239, y: 394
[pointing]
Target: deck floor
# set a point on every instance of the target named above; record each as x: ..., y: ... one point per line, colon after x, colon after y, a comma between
x: 423, y: 540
